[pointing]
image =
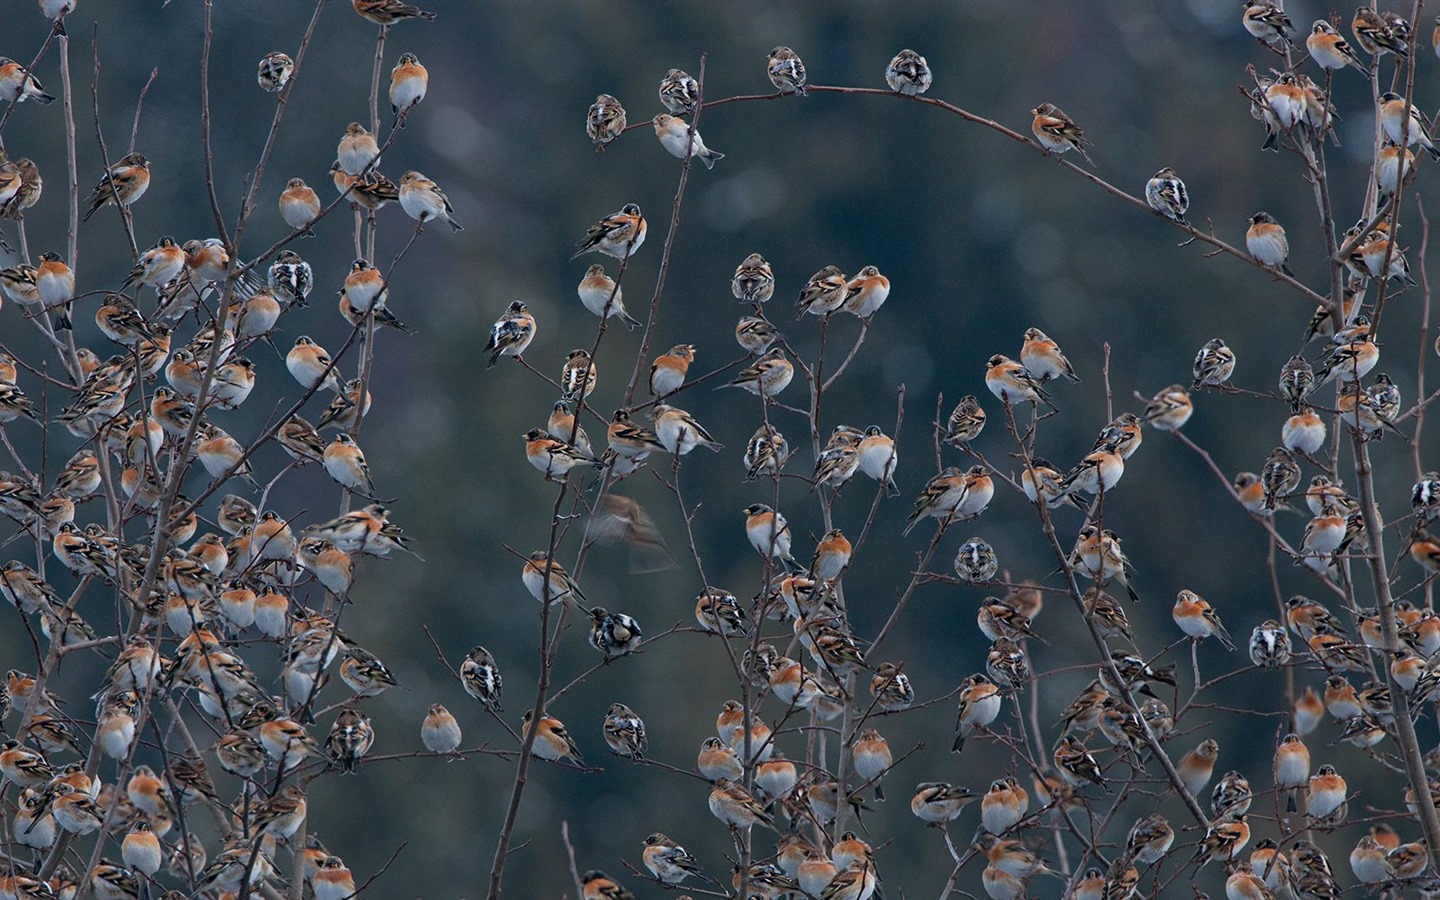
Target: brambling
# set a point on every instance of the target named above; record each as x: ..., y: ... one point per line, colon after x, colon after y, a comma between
x: 55, y: 286
x: 767, y: 376
x: 14, y: 403
x: 1279, y: 477
x: 121, y: 322
x: 908, y: 73
x: 1099, y: 471
x: 283, y: 814
x: 234, y: 513
x: 754, y: 282
x: 1287, y: 101
x: 17, y: 84
x: 1409, y: 860
x: 733, y: 805
x: 1374, y: 36
x: 891, y: 688
x: 1232, y: 796
x: 1307, y: 711
x: 408, y: 82
x: 233, y: 383
x: 365, y: 288
x: 562, y: 426
x: 1108, y: 615
x: 363, y: 672
x: 866, y: 292
x: 1213, y: 364
x: 552, y: 742
x: 1011, y: 382
x: 1001, y: 885
x: 1149, y: 839
x: 332, y: 880
x: 755, y: 335
x: 1393, y: 121
x: 357, y: 150
x: 346, y: 409
x: 624, y: 732
x: 604, y: 121
x: 423, y: 200
x: 1425, y: 497
x: 815, y: 873
x: 511, y: 334
x: 25, y: 589
x: 1043, y: 359
x: 1003, y: 806
x: 1266, y: 22
x: 1369, y: 862
x: 823, y: 294
x: 768, y: 532
x: 836, y: 465
x: 370, y: 191
x: 74, y: 811
x: 1424, y: 549
x: 1272, y: 866
x: 388, y: 12
x: 776, y: 776
x: 157, y: 265
x: 1057, y: 133
x: 718, y: 612
x: 1198, y: 619
x: 665, y: 858
x: 274, y: 71
x: 577, y: 376
x: 1223, y: 841
x: 1291, y: 768
x: 1013, y: 857
x: 124, y: 183
x: 872, y: 758
x: 549, y: 582
x: 832, y: 555
x: 1333, y: 650
x: 299, y: 205
x: 938, y: 802
x: 619, y: 234
x: 1331, y: 51
x: 1296, y: 381
x: 668, y: 371
x: 1326, y: 793
x: 256, y: 317
x: 18, y: 284
x: 311, y: 366
x: 979, y: 706
x: 1098, y: 557
x: 975, y: 561
x: 680, y: 140
x: 480, y: 678
x: 941, y: 498
x: 1091, y: 885
x: 1388, y: 166
x: 678, y: 431
x: 23, y: 766
x: 613, y: 634
x: 140, y: 850
x: 1269, y: 645
x: 679, y: 93
x: 27, y: 193
x: 716, y: 761
x: 966, y: 422
x: 603, y: 297
x: 629, y: 440
x: 1166, y: 194
x: 1266, y: 241
x: 786, y: 71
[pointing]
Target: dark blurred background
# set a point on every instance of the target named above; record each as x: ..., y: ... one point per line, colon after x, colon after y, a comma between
x: 980, y: 237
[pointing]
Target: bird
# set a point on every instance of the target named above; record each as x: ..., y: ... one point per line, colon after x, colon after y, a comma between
x: 548, y: 581
x: 1043, y: 358
x: 311, y: 366
x: 979, y: 706
x: 754, y: 280
x: 480, y: 678
x: 603, y: 297
x: 1166, y: 194
x: 1326, y: 792
x: 965, y: 423
x: 1374, y: 36
x: 624, y: 732
x: 679, y: 93
x: 1393, y: 121
x: 866, y: 292
x: 554, y: 457
x: 1198, y: 619
x: 668, y: 371
x: 733, y: 805
x: 388, y: 12
x: 358, y: 150
x: 423, y: 200
x: 872, y: 758
x: 511, y: 334
x: 938, y: 802
x: 55, y: 285
x: 350, y: 738
x: 1269, y: 645
x: 1266, y: 22
x: 786, y: 71
x: 577, y: 376
x: 1011, y: 382
x: 908, y: 73
x: 552, y: 742
x: 299, y: 205
x: 1057, y: 132
x: 678, y: 431
x: 666, y: 859
x: 604, y: 121
x: 1331, y: 51
x: 1265, y: 239
x: 408, y: 83
x: 1291, y: 767
x: 274, y: 71
x: 822, y: 294
x: 1279, y: 477
x: 681, y: 140
x: 614, y: 634
x: 767, y: 376
x: 17, y: 84
x: 619, y: 234
x: 768, y: 532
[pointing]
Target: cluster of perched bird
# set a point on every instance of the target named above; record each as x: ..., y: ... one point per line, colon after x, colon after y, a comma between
x: 210, y: 594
